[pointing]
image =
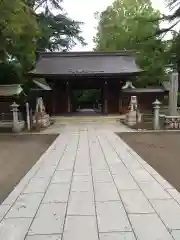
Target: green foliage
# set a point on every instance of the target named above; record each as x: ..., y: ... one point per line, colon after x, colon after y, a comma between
x: 174, y: 49
x: 18, y: 29
x: 86, y: 96
x: 57, y: 31
x: 127, y: 24
x: 27, y: 26
x: 10, y: 73
x: 91, y: 95
x: 15, y: 41
x: 174, y: 16
x: 174, y: 19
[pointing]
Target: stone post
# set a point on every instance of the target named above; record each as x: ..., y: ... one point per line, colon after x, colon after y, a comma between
x: 173, y: 94
x: 156, y: 106
x: 131, y: 116
x: 15, y: 111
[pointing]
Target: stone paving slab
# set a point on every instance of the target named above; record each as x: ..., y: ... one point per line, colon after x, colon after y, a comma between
x: 16, y: 228
x: 91, y: 185
x: 25, y: 206
x: 80, y: 227
x: 136, y: 202
x: 149, y: 227
x: 62, y: 177
x: 81, y: 204
x: 176, y: 234
x: 105, y: 192
x: 112, y: 217
x: 117, y: 236
x: 58, y: 192
x: 44, y: 237
x: 169, y: 212
x: 49, y: 219
x: 3, y: 210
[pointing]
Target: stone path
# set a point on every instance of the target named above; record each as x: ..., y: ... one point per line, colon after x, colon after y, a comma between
x: 74, y: 124
x: 90, y: 185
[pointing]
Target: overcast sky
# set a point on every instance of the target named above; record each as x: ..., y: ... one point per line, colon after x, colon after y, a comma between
x: 83, y: 10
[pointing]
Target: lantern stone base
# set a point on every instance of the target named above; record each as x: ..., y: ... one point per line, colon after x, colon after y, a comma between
x: 139, y: 117
x: 172, y: 122
x: 43, y: 121
x: 131, y: 118
x: 18, y: 126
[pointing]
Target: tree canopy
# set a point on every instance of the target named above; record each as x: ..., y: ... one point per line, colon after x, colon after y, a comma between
x: 57, y: 31
x: 27, y: 26
x: 127, y: 24
x: 15, y: 18
x: 174, y: 19
x: 174, y: 16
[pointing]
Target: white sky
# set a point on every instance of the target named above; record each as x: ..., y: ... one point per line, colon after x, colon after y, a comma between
x: 83, y: 10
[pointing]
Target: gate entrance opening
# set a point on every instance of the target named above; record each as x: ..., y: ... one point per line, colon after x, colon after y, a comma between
x: 88, y: 99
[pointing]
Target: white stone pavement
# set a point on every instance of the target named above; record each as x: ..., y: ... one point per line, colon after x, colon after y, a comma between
x: 83, y: 124
x: 90, y: 185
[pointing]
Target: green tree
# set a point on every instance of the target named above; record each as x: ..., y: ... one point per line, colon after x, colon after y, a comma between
x: 127, y: 24
x: 10, y: 73
x: 174, y: 51
x: 174, y: 20
x: 57, y: 30
x: 173, y: 17
x: 27, y: 26
x: 17, y: 44
x: 15, y: 18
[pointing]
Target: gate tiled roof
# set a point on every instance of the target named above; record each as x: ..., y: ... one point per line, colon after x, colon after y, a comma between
x: 86, y: 63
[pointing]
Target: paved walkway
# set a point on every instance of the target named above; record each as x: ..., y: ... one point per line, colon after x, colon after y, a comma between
x: 74, y: 124
x: 89, y: 185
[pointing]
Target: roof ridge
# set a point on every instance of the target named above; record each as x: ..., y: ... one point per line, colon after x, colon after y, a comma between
x: 87, y: 54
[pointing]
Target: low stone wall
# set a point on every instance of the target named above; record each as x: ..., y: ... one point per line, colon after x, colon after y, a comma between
x: 172, y: 122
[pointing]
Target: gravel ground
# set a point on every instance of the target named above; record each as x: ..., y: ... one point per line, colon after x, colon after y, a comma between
x: 160, y: 150
x: 18, y: 153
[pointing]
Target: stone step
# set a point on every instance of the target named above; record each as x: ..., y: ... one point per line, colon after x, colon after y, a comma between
x: 147, y: 118
x: 89, y: 119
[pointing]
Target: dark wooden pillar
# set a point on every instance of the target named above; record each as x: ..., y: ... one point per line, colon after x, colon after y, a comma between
x: 105, y: 97
x: 120, y: 101
x: 102, y: 98
x: 68, y: 91
x: 53, y: 97
x: 54, y: 102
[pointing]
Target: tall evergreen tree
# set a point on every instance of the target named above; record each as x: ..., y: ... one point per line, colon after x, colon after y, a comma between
x: 57, y: 30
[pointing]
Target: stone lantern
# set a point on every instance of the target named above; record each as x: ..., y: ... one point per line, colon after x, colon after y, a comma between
x: 156, y: 106
x: 17, y: 124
